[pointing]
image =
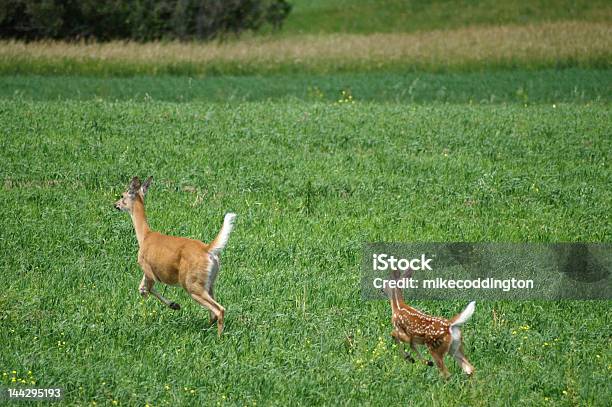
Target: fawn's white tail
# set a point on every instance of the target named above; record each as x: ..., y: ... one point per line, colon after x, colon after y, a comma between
x: 466, y: 314
x: 221, y: 240
x: 456, y: 322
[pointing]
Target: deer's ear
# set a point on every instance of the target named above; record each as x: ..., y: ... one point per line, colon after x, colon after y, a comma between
x: 134, y: 186
x: 145, y: 186
x: 407, y: 273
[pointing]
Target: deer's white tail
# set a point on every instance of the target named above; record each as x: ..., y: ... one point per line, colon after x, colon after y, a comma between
x: 463, y: 317
x: 221, y: 240
x: 456, y: 322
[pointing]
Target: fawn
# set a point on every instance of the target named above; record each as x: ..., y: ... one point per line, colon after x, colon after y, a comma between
x: 175, y: 260
x: 440, y: 335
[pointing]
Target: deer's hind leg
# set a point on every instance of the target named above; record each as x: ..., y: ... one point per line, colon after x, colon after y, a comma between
x: 212, y: 317
x: 212, y: 268
x: 207, y: 301
x: 199, y: 284
x: 462, y: 360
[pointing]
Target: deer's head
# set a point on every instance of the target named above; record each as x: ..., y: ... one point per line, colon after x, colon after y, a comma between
x: 395, y: 276
x: 135, y: 192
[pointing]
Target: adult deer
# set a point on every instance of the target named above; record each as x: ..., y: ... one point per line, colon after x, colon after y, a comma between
x: 175, y: 260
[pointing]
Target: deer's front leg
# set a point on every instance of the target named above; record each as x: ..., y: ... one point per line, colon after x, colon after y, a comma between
x: 145, y: 286
x: 173, y: 305
x: 418, y: 353
x: 437, y: 353
x: 399, y: 337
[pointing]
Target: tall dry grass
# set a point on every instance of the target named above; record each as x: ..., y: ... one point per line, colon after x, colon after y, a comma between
x: 564, y: 43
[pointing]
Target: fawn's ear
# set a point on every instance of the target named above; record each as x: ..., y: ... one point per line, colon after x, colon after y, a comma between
x: 134, y: 186
x: 407, y: 273
x: 145, y: 186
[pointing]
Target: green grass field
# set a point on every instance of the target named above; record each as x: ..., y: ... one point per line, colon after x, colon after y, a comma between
x: 516, y: 86
x: 319, y: 147
x: 332, y: 16
x: 311, y: 180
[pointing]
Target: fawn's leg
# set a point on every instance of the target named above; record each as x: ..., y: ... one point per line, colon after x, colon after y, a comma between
x: 418, y: 353
x: 399, y: 338
x: 207, y: 301
x: 462, y: 360
x: 438, y: 356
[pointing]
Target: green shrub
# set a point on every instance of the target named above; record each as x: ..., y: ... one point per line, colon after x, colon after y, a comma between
x: 140, y: 20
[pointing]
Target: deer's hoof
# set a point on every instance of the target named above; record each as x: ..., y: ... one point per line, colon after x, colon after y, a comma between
x: 174, y: 306
x: 429, y: 363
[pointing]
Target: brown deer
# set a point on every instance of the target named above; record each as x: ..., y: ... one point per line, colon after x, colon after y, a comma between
x: 440, y: 335
x: 175, y: 260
